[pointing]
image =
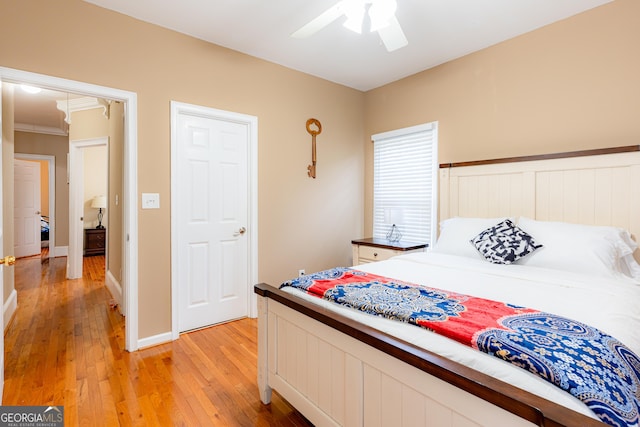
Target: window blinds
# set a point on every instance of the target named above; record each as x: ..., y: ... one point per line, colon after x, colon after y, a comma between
x: 405, y: 182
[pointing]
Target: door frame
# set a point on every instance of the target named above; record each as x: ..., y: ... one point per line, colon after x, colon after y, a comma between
x: 251, y: 122
x: 2, y: 254
x: 51, y: 161
x: 76, y: 202
x: 130, y: 169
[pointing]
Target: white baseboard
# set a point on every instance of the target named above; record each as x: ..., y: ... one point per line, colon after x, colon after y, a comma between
x: 114, y: 288
x: 60, y: 251
x: 155, y: 340
x: 10, y: 307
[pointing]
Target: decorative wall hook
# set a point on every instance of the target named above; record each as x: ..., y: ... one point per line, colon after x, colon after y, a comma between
x: 311, y: 169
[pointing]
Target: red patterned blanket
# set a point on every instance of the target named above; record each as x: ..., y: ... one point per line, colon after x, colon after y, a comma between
x: 591, y: 365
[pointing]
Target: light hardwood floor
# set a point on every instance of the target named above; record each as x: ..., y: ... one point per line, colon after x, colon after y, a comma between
x: 65, y: 347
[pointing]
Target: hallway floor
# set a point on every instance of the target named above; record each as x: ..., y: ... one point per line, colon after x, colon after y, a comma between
x: 65, y: 346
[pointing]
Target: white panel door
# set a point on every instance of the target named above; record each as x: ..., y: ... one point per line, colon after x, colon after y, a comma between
x: 212, y: 209
x: 26, y: 208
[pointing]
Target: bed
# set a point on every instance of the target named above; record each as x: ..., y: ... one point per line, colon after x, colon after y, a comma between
x: 44, y: 230
x: 338, y: 366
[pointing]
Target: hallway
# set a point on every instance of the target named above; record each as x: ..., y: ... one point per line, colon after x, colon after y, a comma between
x: 65, y: 347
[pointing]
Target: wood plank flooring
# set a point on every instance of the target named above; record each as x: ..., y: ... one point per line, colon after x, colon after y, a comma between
x: 65, y: 346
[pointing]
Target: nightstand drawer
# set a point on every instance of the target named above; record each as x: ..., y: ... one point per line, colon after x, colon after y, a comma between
x: 95, y: 241
x: 372, y: 250
x: 370, y: 253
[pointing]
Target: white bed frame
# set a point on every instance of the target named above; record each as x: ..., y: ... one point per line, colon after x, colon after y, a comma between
x: 592, y: 189
x: 338, y: 372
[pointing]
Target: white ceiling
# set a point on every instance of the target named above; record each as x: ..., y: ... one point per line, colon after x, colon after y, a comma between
x: 38, y: 112
x: 438, y: 31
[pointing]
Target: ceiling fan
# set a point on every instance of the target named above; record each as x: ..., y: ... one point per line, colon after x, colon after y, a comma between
x: 382, y: 19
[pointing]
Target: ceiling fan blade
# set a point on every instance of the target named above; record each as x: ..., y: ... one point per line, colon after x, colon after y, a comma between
x: 392, y: 36
x: 321, y: 21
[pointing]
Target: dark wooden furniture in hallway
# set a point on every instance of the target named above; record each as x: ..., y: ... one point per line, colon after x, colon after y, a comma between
x: 95, y: 241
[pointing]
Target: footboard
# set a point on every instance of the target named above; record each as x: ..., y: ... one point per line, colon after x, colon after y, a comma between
x: 336, y: 371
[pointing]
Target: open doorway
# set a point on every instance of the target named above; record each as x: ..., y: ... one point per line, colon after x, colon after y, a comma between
x: 126, y: 199
x: 89, y: 228
x: 74, y: 130
x: 46, y: 221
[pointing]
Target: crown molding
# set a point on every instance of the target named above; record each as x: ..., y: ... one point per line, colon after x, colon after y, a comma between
x: 68, y: 106
x: 47, y: 130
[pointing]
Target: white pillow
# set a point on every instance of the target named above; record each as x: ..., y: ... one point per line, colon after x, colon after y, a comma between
x: 628, y: 263
x: 586, y: 249
x: 456, y: 234
x: 630, y: 267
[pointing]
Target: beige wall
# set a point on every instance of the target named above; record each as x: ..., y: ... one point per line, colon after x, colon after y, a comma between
x: 303, y: 223
x: 57, y: 146
x: 95, y: 183
x: 572, y: 85
x: 88, y: 124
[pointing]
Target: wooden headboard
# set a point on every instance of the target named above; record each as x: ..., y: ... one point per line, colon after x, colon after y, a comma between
x: 593, y: 187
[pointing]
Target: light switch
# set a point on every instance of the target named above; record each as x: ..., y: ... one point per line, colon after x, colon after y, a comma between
x: 150, y: 201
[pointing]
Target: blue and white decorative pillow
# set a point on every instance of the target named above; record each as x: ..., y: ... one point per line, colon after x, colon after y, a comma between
x: 504, y: 243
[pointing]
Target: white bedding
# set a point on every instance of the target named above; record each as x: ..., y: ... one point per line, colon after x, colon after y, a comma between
x: 613, y: 306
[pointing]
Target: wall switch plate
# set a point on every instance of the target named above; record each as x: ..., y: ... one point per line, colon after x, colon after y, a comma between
x: 150, y: 201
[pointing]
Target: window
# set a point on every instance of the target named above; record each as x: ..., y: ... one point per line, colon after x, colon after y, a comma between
x: 405, y: 167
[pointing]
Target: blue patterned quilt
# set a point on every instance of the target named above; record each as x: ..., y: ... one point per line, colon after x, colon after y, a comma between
x: 591, y: 365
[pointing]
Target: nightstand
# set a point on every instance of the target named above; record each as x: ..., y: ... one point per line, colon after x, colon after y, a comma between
x: 371, y: 249
x: 94, y: 241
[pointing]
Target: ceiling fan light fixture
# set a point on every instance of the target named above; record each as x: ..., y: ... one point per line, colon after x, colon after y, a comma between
x: 354, y: 11
x: 381, y: 12
x: 381, y: 16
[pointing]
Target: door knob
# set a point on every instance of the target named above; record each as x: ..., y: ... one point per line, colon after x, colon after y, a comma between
x: 8, y: 260
x: 240, y: 231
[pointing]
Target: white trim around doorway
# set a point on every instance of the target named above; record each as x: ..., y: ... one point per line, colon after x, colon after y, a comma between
x: 130, y: 214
